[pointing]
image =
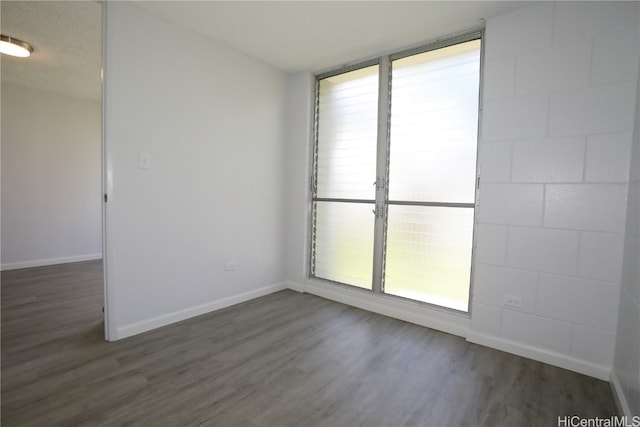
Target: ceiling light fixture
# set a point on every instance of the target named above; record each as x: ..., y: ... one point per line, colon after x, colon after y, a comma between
x: 14, y: 47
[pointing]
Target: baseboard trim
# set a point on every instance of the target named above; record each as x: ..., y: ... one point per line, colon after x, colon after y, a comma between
x: 419, y: 314
x: 450, y: 323
x: 601, y: 372
x: 295, y: 286
x: 49, y: 261
x: 177, y: 316
x: 619, y: 395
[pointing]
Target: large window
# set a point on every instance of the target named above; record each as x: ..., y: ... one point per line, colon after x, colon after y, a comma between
x: 395, y: 173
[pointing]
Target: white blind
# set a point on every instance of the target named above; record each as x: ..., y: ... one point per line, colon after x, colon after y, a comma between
x: 347, y: 126
x: 434, y: 125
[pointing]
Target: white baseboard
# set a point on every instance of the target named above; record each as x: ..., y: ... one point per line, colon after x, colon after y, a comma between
x: 177, y: 316
x: 414, y: 313
x: 447, y: 322
x: 601, y: 372
x: 419, y: 314
x: 50, y: 261
x: 295, y: 286
x: 619, y: 395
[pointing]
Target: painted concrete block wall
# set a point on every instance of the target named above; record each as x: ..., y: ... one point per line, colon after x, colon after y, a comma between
x: 558, y: 109
x: 627, y: 356
x: 212, y: 120
x: 51, y: 178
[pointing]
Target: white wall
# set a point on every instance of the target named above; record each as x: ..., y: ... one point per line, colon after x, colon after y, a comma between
x: 559, y: 85
x: 213, y: 121
x: 626, y: 376
x: 559, y: 102
x: 229, y: 183
x: 298, y: 162
x: 51, y: 175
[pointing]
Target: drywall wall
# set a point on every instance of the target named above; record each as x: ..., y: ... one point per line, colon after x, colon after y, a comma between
x: 298, y: 165
x: 51, y: 178
x: 626, y: 374
x: 211, y: 122
x: 559, y: 99
x: 556, y: 128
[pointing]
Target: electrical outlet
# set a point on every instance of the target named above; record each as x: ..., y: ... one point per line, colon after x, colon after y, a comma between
x: 513, y: 301
x: 230, y: 266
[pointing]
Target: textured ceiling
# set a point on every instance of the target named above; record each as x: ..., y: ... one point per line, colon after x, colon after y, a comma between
x: 67, y: 41
x: 289, y: 35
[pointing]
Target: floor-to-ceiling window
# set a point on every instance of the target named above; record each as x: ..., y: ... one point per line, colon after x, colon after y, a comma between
x: 394, y: 179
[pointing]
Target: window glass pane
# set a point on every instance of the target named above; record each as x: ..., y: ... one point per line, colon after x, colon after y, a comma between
x: 429, y: 254
x: 434, y: 124
x: 347, y: 134
x: 344, y: 242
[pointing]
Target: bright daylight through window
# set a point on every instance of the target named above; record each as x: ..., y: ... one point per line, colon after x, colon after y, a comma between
x: 395, y: 173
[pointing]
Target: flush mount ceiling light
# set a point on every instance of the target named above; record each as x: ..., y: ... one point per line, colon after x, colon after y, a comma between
x: 14, y: 47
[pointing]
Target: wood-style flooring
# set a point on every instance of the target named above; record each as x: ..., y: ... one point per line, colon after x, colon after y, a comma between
x: 286, y: 359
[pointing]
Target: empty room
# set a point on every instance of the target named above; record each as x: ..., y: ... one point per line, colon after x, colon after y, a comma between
x: 320, y: 213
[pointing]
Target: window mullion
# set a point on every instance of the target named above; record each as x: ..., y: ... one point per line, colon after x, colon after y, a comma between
x: 384, y: 93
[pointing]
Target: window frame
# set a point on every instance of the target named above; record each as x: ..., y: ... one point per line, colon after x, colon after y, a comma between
x: 384, y: 63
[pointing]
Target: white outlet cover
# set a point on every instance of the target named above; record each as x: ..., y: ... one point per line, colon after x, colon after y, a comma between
x: 513, y: 301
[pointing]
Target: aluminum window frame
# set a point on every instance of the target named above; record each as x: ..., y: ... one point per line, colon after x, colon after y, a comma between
x: 384, y: 63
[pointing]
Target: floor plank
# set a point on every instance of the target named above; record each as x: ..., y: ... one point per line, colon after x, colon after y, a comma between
x: 286, y: 359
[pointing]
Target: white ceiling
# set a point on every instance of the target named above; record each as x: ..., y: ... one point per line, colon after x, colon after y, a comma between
x: 317, y: 35
x: 67, y: 41
x: 289, y: 35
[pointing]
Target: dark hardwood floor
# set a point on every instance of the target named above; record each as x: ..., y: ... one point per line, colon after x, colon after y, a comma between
x: 286, y: 359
